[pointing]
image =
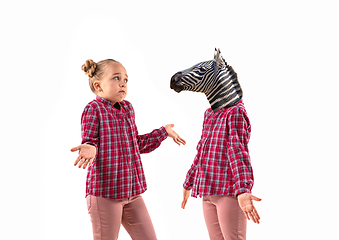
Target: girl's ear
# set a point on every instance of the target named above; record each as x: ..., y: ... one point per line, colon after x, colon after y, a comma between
x: 96, y: 85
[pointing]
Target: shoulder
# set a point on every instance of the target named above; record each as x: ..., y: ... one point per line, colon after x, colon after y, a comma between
x: 93, y: 105
x: 237, y: 109
x: 208, y: 112
x: 93, y: 108
x: 126, y: 104
x: 90, y: 112
x: 237, y: 116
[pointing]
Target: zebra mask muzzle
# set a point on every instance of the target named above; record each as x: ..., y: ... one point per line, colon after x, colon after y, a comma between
x: 215, y: 78
x: 176, y: 83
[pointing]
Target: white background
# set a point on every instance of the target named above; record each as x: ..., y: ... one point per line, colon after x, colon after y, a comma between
x: 285, y: 54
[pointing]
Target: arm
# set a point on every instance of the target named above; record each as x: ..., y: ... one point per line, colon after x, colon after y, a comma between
x: 150, y: 141
x: 90, y: 127
x: 89, y: 131
x: 187, y: 186
x: 192, y: 171
x: 239, y: 133
x: 238, y: 137
x: 190, y: 176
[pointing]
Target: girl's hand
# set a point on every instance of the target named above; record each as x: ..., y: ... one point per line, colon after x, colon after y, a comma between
x: 171, y: 133
x: 246, y: 203
x: 86, y: 156
x: 186, y: 195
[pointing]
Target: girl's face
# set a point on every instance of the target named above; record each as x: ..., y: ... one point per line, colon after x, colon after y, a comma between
x: 113, y: 85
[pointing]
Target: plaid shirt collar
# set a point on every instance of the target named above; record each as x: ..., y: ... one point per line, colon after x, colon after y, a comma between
x: 109, y: 103
x: 226, y: 108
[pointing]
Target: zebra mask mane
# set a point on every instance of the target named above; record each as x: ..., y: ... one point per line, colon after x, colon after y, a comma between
x: 215, y: 78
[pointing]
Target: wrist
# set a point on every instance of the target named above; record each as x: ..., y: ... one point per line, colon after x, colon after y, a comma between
x: 164, y: 131
x: 242, y: 194
x: 166, y: 128
x: 90, y: 144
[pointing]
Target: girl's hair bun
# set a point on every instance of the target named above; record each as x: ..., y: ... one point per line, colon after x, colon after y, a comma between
x: 89, y: 68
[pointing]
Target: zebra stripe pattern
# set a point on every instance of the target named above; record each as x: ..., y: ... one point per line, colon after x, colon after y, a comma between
x: 215, y: 78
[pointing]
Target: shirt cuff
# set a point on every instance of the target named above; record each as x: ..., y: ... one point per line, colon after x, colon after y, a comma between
x: 242, y: 190
x: 163, y: 134
x: 187, y: 187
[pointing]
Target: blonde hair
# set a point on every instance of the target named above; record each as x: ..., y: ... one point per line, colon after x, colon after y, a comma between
x: 95, y: 70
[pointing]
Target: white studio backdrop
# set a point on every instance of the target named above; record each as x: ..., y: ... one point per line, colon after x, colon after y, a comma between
x: 285, y: 54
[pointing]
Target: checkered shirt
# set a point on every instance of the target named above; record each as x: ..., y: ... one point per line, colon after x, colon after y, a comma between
x: 117, y: 169
x: 222, y: 165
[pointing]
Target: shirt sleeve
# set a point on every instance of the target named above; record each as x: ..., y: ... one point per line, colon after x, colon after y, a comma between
x: 190, y: 176
x: 188, y: 184
x: 150, y: 141
x: 90, y: 127
x: 239, y: 129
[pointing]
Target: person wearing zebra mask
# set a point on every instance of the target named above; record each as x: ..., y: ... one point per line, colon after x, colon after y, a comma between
x: 221, y: 172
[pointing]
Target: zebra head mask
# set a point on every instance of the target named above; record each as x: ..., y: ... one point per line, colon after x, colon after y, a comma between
x: 215, y: 78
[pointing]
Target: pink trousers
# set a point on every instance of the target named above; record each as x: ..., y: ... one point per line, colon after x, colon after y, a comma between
x: 224, y: 218
x: 107, y: 215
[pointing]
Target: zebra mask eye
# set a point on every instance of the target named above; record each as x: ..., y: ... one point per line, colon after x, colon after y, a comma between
x: 202, y: 69
x: 220, y: 86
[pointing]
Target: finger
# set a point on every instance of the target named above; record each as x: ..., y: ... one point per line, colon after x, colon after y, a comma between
x: 85, y: 163
x: 253, y: 217
x: 91, y: 161
x: 77, y: 160
x: 256, y: 218
x: 246, y: 214
x: 75, y: 149
x: 82, y: 160
x: 183, y: 204
x: 176, y: 141
x: 256, y: 213
x: 80, y: 163
x: 182, y: 141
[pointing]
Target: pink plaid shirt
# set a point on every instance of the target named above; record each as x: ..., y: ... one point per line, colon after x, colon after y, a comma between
x: 117, y: 169
x: 222, y: 165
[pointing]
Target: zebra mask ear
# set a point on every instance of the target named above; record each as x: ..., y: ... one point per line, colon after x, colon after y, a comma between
x: 220, y: 61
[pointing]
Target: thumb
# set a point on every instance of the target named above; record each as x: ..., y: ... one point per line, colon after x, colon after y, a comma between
x: 75, y: 149
x: 255, y: 198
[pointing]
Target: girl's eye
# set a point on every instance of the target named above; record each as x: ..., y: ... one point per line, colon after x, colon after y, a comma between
x: 126, y: 80
x: 116, y: 78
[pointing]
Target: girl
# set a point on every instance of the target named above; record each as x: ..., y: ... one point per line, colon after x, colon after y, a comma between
x: 111, y: 149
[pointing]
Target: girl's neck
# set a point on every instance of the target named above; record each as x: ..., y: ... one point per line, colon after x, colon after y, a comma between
x: 117, y: 106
